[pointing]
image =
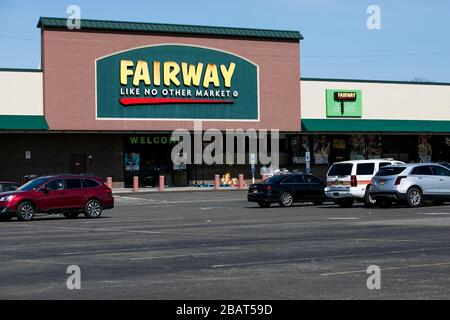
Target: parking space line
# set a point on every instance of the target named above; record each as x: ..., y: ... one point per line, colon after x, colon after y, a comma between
x: 388, y: 269
x: 256, y: 263
x: 191, y: 255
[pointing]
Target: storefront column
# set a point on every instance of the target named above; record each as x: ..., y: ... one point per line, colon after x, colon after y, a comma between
x: 161, y: 183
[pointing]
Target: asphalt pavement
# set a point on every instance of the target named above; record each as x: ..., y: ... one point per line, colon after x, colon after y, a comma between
x: 216, y: 245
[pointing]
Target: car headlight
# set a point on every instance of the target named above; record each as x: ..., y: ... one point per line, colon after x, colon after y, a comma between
x: 6, y: 198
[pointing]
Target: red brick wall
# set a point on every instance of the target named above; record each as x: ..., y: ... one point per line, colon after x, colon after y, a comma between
x: 69, y: 79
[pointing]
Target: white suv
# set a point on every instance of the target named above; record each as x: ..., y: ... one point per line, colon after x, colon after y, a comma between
x: 348, y: 181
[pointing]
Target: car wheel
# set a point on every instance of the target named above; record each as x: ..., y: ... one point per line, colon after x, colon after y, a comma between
x: 346, y: 202
x: 71, y: 215
x: 286, y: 199
x: 264, y: 204
x: 93, y: 209
x: 369, y: 202
x: 25, y: 211
x: 414, y: 198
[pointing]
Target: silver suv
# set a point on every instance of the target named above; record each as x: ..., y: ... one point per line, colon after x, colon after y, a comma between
x: 411, y: 183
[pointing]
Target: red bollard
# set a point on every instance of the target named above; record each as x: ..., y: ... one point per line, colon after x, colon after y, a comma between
x: 109, y: 182
x: 241, y: 181
x: 135, y: 184
x: 217, y: 181
x: 264, y: 177
x: 161, y: 183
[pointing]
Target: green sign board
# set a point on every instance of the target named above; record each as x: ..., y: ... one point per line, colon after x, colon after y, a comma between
x: 344, y: 103
x: 176, y: 82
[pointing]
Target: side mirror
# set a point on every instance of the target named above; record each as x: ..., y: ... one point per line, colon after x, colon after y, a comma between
x: 44, y: 190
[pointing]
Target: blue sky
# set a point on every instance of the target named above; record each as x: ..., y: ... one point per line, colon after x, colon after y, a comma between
x: 413, y: 41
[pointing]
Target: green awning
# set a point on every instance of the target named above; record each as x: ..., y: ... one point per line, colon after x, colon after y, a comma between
x: 23, y: 123
x: 359, y: 125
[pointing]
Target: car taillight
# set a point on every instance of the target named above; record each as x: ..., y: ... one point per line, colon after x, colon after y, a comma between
x: 267, y: 188
x: 399, y: 180
x: 108, y: 190
x: 353, y: 181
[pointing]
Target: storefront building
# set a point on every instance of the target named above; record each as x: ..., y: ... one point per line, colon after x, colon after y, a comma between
x: 354, y: 119
x: 113, y: 92
x: 110, y: 95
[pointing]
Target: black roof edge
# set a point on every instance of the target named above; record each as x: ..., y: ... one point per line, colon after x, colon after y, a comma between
x: 19, y: 70
x: 377, y: 81
x: 300, y: 36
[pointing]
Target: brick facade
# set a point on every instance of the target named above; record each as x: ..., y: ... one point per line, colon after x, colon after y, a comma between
x: 68, y: 60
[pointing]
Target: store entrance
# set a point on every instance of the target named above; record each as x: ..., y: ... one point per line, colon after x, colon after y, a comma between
x: 149, y: 157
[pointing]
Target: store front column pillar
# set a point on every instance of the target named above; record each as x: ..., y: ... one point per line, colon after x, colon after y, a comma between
x: 109, y: 182
x: 217, y: 181
x: 241, y: 181
x: 135, y: 184
x: 161, y: 183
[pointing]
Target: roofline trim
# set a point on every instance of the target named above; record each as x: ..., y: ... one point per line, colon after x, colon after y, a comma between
x: 44, y: 22
x: 378, y: 81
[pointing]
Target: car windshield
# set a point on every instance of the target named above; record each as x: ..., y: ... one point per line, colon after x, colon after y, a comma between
x: 341, y: 169
x: 275, y: 179
x: 390, y: 171
x: 33, y: 184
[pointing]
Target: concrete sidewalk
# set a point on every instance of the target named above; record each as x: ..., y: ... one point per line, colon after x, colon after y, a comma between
x: 173, y: 189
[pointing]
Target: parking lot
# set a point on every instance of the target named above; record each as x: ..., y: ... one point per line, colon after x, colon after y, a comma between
x: 216, y: 245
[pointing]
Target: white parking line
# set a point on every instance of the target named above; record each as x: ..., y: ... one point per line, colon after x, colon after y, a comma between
x: 434, y: 213
x: 390, y: 268
x: 191, y: 255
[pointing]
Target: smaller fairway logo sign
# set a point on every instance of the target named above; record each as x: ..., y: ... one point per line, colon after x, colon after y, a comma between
x: 177, y: 82
x: 344, y: 103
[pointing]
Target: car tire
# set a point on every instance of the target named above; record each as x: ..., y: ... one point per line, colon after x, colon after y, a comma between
x: 264, y: 204
x: 369, y: 202
x: 286, y: 199
x: 93, y: 209
x: 25, y: 211
x: 71, y: 215
x: 414, y: 197
x: 345, y: 202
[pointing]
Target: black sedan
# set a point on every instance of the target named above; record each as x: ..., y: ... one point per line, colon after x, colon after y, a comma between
x: 287, y: 189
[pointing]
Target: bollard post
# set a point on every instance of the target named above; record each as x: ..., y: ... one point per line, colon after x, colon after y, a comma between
x: 161, y: 183
x: 109, y: 182
x: 135, y: 184
x: 241, y: 181
x: 217, y: 182
x: 264, y: 177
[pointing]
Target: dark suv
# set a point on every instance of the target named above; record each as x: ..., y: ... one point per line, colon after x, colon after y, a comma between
x: 66, y: 194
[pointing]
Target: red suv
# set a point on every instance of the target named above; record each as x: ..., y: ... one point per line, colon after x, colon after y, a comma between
x: 69, y: 195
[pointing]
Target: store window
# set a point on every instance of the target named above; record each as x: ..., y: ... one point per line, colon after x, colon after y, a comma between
x: 357, y: 147
x: 339, y: 149
x: 299, y: 146
x: 424, y: 149
x: 321, y: 149
x: 374, y: 147
x: 402, y: 148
